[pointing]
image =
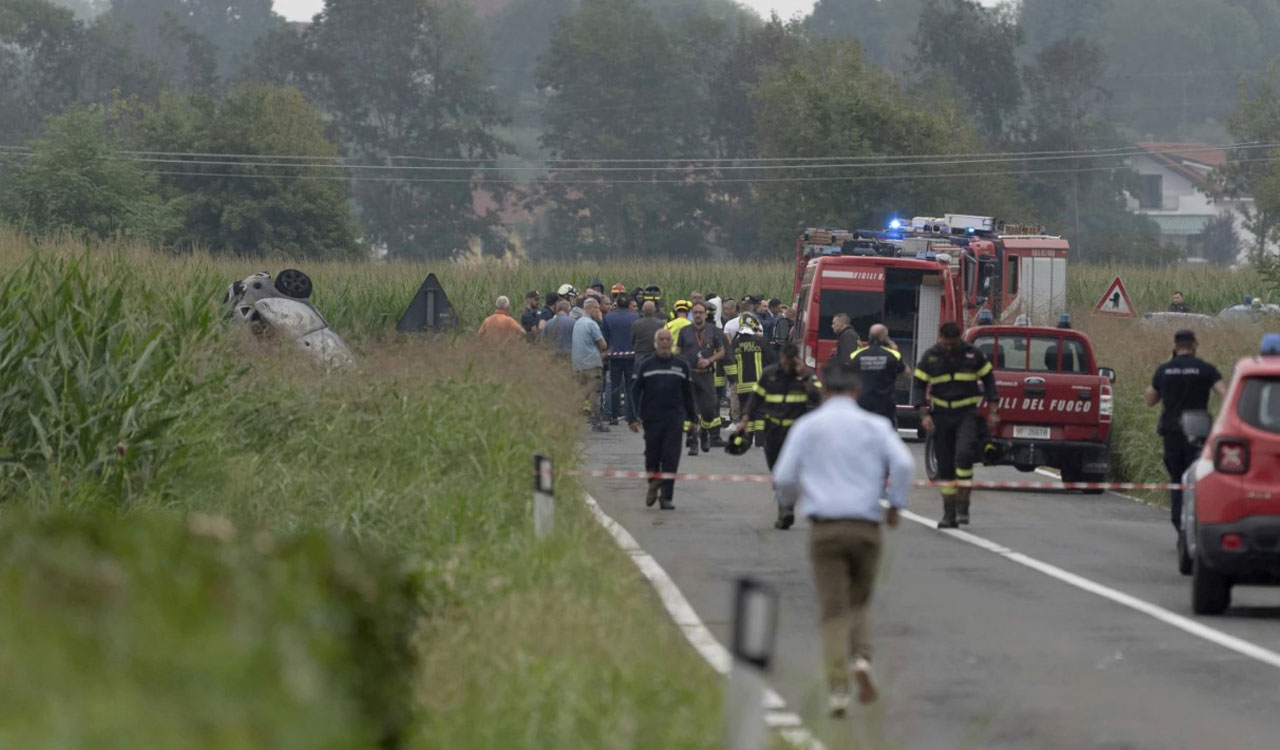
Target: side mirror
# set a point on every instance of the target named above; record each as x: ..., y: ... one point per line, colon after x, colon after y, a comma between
x: 1196, y: 426
x: 1108, y: 373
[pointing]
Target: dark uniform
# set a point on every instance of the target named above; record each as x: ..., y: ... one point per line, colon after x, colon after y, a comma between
x: 879, y: 366
x: 777, y: 401
x: 952, y: 380
x: 662, y: 399
x: 846, y: 344
x: 693, y: 344
x: 747, y: 358
x: 1183, y: 383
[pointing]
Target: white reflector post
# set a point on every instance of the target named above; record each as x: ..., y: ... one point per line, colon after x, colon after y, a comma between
x: 755, y: 625
x: 544, y: 498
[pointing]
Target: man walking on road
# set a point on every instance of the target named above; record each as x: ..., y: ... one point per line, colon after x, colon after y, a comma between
x: 879, y: 365
x: 785, y: 392
x: 701, y: 345
x: 835, y: 462
x: 588, y: 345
x: 1183, y: 384
x: 950, y: 371
x: 661, y: 401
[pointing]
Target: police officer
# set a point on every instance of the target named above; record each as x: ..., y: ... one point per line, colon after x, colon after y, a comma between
x: 661, y: 402
x: 702, y: 345
x: 785, y: 392
x: 879, y: 364
x: 950, y: 371
x: 1183, y: 384
x: 749, y: 355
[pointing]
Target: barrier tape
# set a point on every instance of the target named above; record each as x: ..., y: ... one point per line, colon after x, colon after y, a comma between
x: 767, y: 479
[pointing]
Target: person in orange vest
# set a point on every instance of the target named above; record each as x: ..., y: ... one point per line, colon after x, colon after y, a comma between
x: 501, y: 326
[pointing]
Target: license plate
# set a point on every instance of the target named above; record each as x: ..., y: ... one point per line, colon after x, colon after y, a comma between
x: 1030, y: 433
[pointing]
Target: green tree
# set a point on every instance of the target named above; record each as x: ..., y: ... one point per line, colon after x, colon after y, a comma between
x: 1255, y: 172
x: 886, y: 29
x: 236, y: 206
x: 407, y: 78
x: 1220, y: 240
x: 76, y: 183
x: 836, y: 104
x: 229, y: 27
x: 39, y: 64
x: 975, y: 48
x: 621, y: 90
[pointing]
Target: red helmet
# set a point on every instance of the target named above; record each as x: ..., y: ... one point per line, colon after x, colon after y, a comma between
x: 619, y: 289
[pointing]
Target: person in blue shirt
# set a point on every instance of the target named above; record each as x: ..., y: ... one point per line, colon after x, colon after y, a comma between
x: 835, y: 462
x: 587, y: 346
x: 622, y: 358
x: 559, y: 330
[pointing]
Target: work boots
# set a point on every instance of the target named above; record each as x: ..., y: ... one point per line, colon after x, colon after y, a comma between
x: 948, y: 513
x: 692, y: 442
x: 716, y: 441
x: 705, y: 437
x: 962, y: 506
x: 651, y: 496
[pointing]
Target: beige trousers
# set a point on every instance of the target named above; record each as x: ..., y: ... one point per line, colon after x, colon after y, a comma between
x: 845, y: 557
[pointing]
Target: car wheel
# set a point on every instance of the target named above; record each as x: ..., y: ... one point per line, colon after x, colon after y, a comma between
x: 1185, y: 563
x: 1210, y: 590
x: 930, y: 459
x: 1073, y: 474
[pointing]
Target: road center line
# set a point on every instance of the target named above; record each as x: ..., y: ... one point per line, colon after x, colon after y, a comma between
x: 1181, y: 622
x: 777, y: 717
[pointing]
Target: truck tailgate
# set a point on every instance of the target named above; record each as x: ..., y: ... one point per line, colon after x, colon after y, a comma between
x: 1049, y: 406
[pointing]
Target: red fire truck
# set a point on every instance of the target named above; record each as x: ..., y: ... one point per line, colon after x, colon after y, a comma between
x: 913, y: 278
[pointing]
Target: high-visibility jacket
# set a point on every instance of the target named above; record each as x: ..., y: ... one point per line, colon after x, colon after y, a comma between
x: 675, y: 325
x: 749, y: 355
x: 780, y: 398
x: 952, y: 378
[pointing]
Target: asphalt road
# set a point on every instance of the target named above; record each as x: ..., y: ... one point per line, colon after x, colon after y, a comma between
x: 972, y: 649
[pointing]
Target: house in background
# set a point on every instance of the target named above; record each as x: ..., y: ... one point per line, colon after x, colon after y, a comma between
x: 1174, y: 190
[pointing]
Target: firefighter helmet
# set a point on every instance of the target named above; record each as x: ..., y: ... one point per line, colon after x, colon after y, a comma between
x: 738, y: 443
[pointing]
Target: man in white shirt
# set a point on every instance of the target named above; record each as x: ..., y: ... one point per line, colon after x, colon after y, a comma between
x: 835, y: 462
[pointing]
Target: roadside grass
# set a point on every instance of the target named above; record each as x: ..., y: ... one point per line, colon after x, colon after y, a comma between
x: 130, y: 413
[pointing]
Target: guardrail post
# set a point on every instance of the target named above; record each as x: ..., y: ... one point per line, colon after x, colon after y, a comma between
x: 755, y: 626
x: 544, y: 499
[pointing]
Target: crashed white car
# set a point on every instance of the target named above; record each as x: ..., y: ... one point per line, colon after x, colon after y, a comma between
x: 282, y: 307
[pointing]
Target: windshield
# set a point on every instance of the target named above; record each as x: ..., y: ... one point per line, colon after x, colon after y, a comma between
x: 1035, y: 353
x: 1260, y: 404
x: 864, y: 309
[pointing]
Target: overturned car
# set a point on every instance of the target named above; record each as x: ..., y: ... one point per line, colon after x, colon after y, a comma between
x: 282, y: 307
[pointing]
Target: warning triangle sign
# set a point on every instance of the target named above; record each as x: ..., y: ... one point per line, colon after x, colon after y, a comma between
x: 1115, y: 302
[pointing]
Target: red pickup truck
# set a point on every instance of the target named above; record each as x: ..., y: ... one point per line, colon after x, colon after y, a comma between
x: 1055, y: 402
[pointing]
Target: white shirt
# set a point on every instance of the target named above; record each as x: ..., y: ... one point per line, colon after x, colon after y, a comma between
x: 837, y: 458
x: 731, y: 328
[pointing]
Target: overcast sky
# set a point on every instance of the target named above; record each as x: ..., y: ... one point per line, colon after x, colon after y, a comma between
x: 303, y: 10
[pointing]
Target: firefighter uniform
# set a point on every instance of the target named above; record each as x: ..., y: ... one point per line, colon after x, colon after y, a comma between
x: 778, y: 399
x: 951, y: 377
x: 749, y: 355
x: 692, y: 344
x: 879, y: 366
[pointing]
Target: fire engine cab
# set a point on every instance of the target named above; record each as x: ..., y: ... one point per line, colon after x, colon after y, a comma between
x: 912, y: 277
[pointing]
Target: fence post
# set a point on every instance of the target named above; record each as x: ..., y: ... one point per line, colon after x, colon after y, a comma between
x: 544, y: 498
x: 755, y: 626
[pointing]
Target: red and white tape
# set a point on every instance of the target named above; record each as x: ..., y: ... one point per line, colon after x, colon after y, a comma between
x: 767, y: 479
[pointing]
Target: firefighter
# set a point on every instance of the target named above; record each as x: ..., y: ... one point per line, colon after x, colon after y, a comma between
x: 785, y: 392
x: 950, y: 371
x: 679, y: 318
x: 879, y: 364
x: 661, y: 401
x: 749, y: 354
x: 701, y: 345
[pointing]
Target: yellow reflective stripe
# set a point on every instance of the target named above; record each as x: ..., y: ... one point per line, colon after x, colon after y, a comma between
x: 730, y: 369
x: 746, y: 385
x: 949, y: 490
x: 940, y: 379
x: 687, y: 425
x: 760, y: 390
x: 962, y: 403
x: 964, y: 473
x: 711, y: 425
x: 860, y: 351
x: 967, y: 376
x: 897, y: 354
x: 757, y: 425
x: 817, y: 383
x: 921, y: 375
x: 759, y: 363
x: 797, y: 398
x: 774, y: 398
x: 984, y: 370
x: 781, y: 422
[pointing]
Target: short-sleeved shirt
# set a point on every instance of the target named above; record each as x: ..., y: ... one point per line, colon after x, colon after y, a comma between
x: 586, y: 353
x: 694, y: 344
x: 1183, y: 383
x: 529, y: 319
x: 559, y: 331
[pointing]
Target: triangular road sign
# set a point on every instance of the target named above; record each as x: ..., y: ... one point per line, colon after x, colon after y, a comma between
x: 1115, y: 302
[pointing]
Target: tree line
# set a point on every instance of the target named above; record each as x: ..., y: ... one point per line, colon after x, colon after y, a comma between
x: 595, y: 128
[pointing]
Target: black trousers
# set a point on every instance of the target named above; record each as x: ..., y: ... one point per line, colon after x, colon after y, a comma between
x: 622, y: 372
x: 889, y: 412
x: 1178, y: 457
x: 705, y: 399
x: 774, y: 437
x: 956, y: 436
x: 662, y: 447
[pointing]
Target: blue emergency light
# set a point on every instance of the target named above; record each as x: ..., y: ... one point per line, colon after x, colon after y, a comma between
x: 1271, y: 344
x: 985, y: 317
x: 895, y: 224
x: 1064, y: 320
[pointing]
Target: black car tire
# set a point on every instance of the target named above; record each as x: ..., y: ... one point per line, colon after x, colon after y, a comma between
x: 1074, y: 475
x: 1185, y: 563
x: 930, y: 459
x: 1210, y: 590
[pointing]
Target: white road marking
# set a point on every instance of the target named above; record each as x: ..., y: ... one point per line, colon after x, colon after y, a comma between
x: 697, y: 633
x: 1185, y: 624
x: 1053, y: 473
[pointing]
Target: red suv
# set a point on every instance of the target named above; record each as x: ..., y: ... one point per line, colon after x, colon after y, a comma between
x: 1231, y: 504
